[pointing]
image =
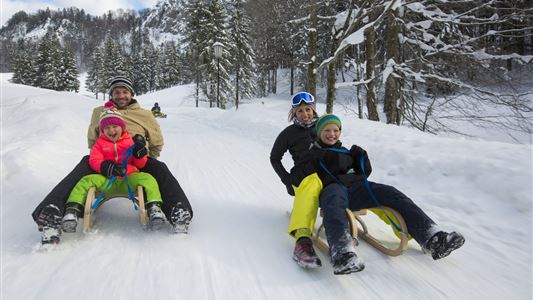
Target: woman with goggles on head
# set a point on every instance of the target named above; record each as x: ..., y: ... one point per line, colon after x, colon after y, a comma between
x: 304, y: 184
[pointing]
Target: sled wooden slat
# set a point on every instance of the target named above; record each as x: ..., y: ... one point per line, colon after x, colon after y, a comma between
x: 142, y: 210
x: 354, y: 217
x: 87, y: 222
x: 88, y: 215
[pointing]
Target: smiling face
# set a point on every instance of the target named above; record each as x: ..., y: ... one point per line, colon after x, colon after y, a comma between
x: 113, y: 132
x: 330, y: 134
x: 121, y: 96
x: 304, y: 113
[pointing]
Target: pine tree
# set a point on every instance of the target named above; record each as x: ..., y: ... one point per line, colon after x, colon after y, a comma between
x: 171, y: 66
x: 95, y: 81
x: 243, y: 55
x: 140, y: 70
x: 23, y: 69
x: 48, y: 63
x: 216, y: 70
x: 196, y: 39
x: 69, y: 74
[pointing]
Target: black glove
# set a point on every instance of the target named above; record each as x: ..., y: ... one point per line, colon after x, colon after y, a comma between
x: 140, y: 146
x: 357, y: 152
x: 109, y: 169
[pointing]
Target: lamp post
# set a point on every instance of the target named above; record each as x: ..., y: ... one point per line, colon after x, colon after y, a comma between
x: 217, y: 47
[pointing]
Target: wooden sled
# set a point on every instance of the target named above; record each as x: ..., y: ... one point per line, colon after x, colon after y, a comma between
x: 88, y: 215
x: 354, y: 217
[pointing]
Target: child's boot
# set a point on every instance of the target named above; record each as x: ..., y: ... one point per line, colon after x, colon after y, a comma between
x: 180, y: 219
x: 155, y: 215
x: 69, y: 223
x: 441, y: 244
x: 343, y: 256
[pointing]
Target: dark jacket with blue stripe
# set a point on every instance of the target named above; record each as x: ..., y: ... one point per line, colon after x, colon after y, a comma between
x: 333, y: 164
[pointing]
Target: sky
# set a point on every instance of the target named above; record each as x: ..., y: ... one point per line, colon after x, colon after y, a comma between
x: 95, y: 7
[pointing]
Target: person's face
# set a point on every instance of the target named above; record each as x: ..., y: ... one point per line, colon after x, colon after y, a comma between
x: 304, y: 113
x: 113, y: 132
x: 330, y: 134
x: 121, y: 96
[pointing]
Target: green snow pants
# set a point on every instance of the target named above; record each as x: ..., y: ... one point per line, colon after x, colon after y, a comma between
x: 119, y: 187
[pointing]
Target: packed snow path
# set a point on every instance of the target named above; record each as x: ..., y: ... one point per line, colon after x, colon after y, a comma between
x: 237, y: 247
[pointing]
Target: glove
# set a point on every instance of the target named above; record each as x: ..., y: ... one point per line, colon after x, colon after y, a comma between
x: 139, y: 150
x: 109, y: 169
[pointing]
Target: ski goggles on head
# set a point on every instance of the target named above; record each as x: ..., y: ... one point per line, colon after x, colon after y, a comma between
x: 302, y: 97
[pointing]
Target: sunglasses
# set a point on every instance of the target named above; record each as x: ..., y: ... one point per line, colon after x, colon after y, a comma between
x: 302, y: 97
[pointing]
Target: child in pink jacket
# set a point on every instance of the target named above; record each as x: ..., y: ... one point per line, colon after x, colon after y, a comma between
x: 106, y: 158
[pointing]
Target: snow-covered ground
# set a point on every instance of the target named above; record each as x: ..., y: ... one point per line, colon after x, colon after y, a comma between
x: 237, y: 247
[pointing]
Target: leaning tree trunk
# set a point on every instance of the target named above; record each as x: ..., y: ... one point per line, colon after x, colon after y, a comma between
x: 370, y: 37
x: 392, y: 86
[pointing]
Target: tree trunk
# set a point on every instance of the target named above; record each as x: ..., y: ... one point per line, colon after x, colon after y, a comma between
x: 292, y: 79
x: 358, y: 78
x: 370, y: 37
x: 332, y: 78
x: 274, y: 80
x: 237, y: 89
x: 312, y: 50
x: 392, y: 88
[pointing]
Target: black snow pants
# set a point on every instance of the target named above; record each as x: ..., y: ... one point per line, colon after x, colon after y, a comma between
x: 334, y: 198
x: 171, y: 191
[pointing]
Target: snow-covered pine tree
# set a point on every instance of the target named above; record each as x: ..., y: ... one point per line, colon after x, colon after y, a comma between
x: 154, y: 67
x: 196, y: 39
x: 216, y: 71
x: 69, y: 73
x: 113, y: 60
x: 243, y: 55
x: 23, y: 70
x: 95, y: 80
x: 140, y: 70
x: 171, y: 66
x: 48, y: 63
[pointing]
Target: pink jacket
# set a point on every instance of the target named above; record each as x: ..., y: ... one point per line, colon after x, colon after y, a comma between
x: 104, y: 149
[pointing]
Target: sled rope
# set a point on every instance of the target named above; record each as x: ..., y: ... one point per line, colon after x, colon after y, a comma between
x: 365, y: 181
x: 373, y: 196
x: 126, y: 156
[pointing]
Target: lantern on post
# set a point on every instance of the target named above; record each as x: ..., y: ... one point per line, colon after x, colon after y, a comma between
x: 218, y: 47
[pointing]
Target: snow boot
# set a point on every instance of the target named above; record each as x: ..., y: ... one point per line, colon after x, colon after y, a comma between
x: 49, y: 224
x: 441, y: 244
x: 346, y: 263
x: 156, y: 216
x: 69, y: 223
x: 180, y: 219
x: 304, y: 254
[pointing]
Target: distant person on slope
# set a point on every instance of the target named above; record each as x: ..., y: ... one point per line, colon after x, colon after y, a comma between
x: 156, y: 111
x: 107, y: 158
x: 304, y: 185
x: 342, y: 173
x: 176, y: 206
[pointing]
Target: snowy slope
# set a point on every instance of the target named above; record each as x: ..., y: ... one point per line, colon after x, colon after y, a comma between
x: 237, y: 247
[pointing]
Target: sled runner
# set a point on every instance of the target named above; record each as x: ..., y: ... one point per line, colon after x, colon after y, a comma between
x: 88, y: 216
x: 355, y: 217
x: 159, y: 114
